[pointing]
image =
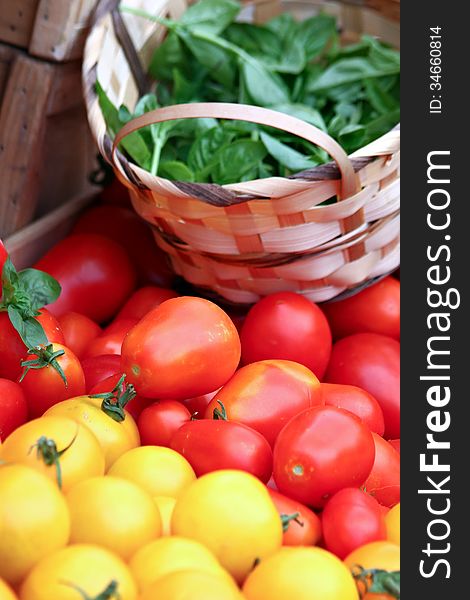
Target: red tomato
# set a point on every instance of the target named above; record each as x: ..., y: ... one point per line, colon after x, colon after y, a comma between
x: 319, y: 452
x: 197, y: 406
x: 97, y: 368
x: 383, y: 481
x: 351, y: 519
x: 210, y: 445
x: 185, y: 347
x: 124, y: 226
x: 371, y: 362
x: 3, y: 257
x: 395, y: 444
x: 375, y: 310
x: 79, y: 331
x: 12, y: 349
x: 267, y: 394
x: 44, y: 387
x: 159, y: 421
x: 305, y: 529
x: 13, y: 407
x: 357, y: 401
x: 287, y: 326
x: 110, y: 341
x: 134, y: 406
x: 143, y: 301
x: 95, y: 273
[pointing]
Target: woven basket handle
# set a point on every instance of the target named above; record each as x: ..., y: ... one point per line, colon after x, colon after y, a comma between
x: 252, y: 114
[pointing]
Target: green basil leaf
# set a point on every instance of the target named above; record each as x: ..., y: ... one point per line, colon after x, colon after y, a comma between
x: 351, y: 137
x: 29, y: 329
x: 175, y: 170
x: 211, y: 16
x: 283, y: 25
x: 169, y: 55
x: 380, y: 99
x: 254, y: 39
x: 350, y: 70
x: 10, y: 282
x: 205, y: 147
x: 40, y: 287
x: 264, y: 87
x: 292, y: 58
x: 286, y: 156
x: 236, y: 160
x: 302, y: 111
x: 315, y: 34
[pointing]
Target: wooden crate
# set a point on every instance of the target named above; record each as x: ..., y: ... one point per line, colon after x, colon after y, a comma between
x: 46, y: 149
x: 51, y: 29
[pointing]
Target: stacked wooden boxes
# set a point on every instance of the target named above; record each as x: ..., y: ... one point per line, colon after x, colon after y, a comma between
x: 46, y: 150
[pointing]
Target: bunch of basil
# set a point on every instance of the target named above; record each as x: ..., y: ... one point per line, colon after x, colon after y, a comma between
x: 298, y: 68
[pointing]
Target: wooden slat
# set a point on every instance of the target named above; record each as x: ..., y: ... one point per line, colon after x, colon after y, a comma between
x: 17, y: 21
x: 7, y: 54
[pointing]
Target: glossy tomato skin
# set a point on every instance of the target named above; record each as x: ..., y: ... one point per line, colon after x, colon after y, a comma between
x: 287, y: 326
x: 395, y: 444
x: 350, y: 519
x: 125, y: 227
x: 110, y: 340
x: 97, y: 368
x: 79, y: 331
x: 3, y: 257
x: 383, y: 482
x: 357, y: 401
x: 143, y: 301
x: 13, y: 407
x: 134, y: 407
x: 371, y: 362
x: 306, y: 530
x: 374, y: 310
x: 319, y: 452
x: 212, y: 445
x: 185, y: 347
x: 197, y: 406
x: 95, y: 273
x: 266, y: 394
x: 44, y: 387
x: 12, y: 349
x: 160, y: 421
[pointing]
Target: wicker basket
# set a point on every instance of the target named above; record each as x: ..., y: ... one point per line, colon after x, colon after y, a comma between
x: 246, y: 240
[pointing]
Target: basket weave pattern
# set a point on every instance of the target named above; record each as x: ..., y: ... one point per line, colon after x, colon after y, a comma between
x: 246, y: 240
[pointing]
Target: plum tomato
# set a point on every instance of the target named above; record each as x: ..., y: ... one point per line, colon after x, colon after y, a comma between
x: 134, y: 407
x: 97, y: 368
x: 357, y: 401
x: 79, y: 331
x: 302, y: 527
x: 373, y: 310
x: 185, y: 347
x: 266, y: 394
x: 350, y: 519
x: 287, y: 326
x: 371, y: 362
x: 319, y: 452
x: 13, y: 407
x: 94, y: 272
x: 143, y: 301
x: 211, y: 445
x: 110, y: 340
x: 384, y: 479
x: 158, y: 422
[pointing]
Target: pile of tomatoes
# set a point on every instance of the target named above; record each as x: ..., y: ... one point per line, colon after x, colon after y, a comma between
x: 165, y: 447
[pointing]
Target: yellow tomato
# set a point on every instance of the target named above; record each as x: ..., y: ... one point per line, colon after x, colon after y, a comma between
x: 82, y: 455
x: 34, y: 520
x: 113, y: 513
x: 392, y: 521
x: 115, y: 437
x: 191, y: 585
x: 6, y: 592
x: 303, y: 573
x: 169, y: 555
x: 165, y: 505
x: 232, y: 514
x: 160, y: 471
x: 86, y: 567
x: 376, y: 555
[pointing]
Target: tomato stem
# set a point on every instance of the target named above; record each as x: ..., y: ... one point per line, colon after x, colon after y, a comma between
x: 46, y: 449
x: 377, y: 581
x: 114, y: 401
x: 45, y: 357
x: 110, y: 591
x: 220, y: 415
x: 286, y: 519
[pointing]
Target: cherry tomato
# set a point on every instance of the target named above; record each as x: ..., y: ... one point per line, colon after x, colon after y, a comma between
x: 266, y: 394
x: 357, y: 401
x: 287, y: 326
x: 197, y: 406
x: 97, y: 368
x: 124, y: 226
x: 302, y: 527
x: 395, y: 444
x: 79, y: 331
x: 185, y: 347
x: 159, y: 421
x: 110, y: 340
x: 350, y: 519
x: 13, y: 407
x: 12, y: 349
x: 143, y: 301
x: 211, y: 445
x: 319, y: 452
x: 375, y: 310
x: 134, y: 407
x: 383, y: 481
x: 95, y: 273
x: 371, y: 362
x: 44, y: 387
